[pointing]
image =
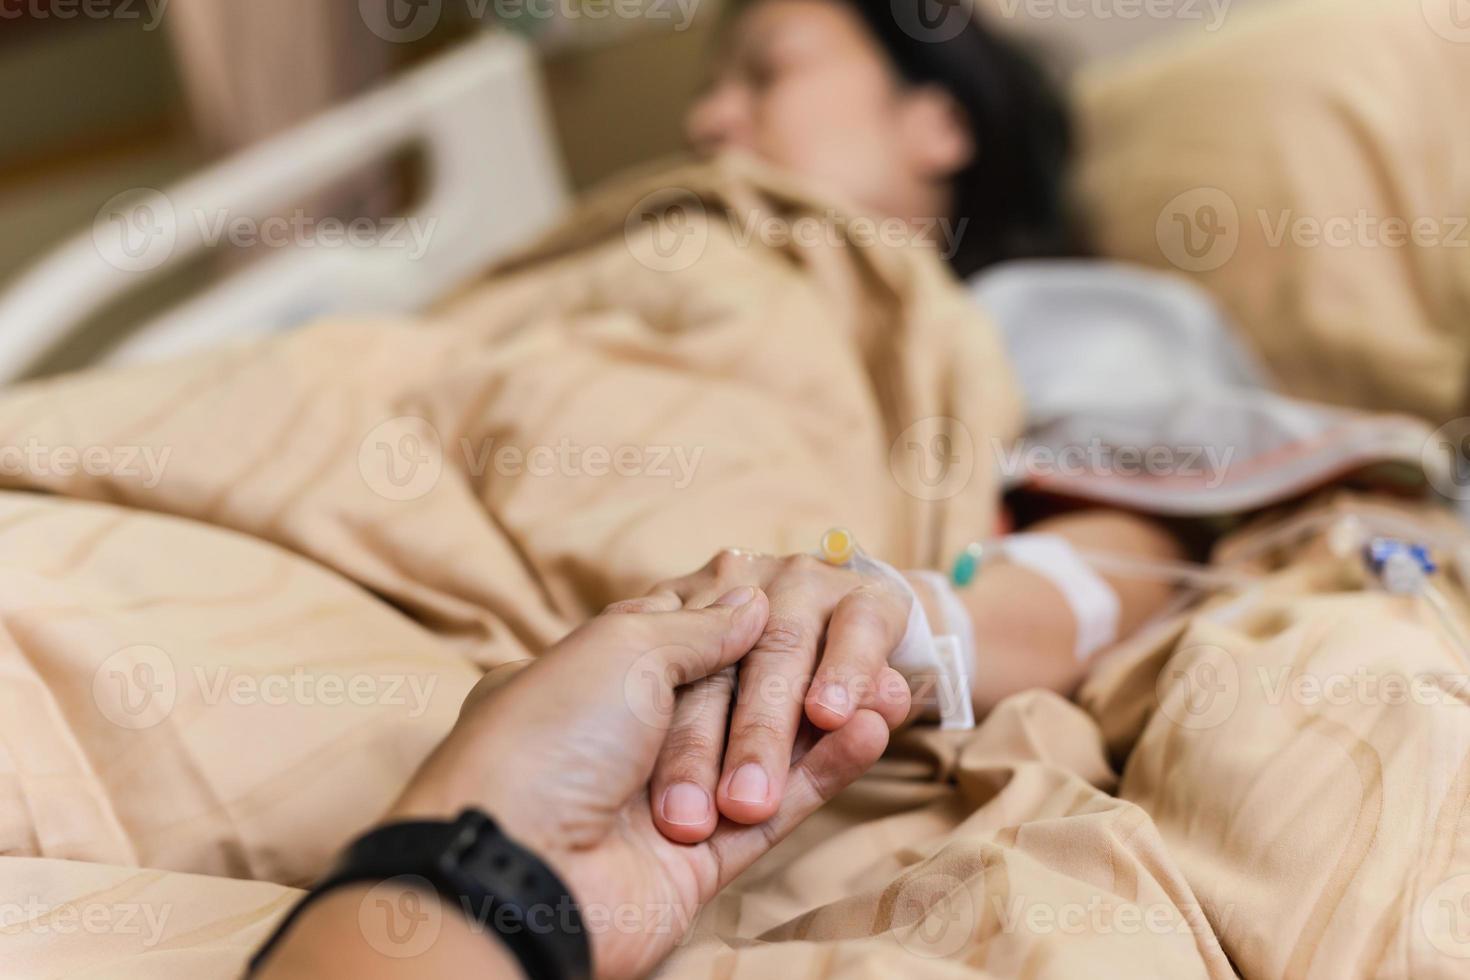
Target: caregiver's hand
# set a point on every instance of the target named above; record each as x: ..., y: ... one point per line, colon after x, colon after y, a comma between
x: 562, y: 753
x: 848, y: 621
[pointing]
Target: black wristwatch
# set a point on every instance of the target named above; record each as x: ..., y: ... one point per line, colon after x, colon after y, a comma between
x: 503, y: 888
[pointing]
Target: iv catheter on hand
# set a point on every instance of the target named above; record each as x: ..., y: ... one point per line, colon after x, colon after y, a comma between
x: 947, y: 658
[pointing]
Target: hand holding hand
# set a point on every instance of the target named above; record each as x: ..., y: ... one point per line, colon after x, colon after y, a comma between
x: 821, y: 658
x: 561, y: 756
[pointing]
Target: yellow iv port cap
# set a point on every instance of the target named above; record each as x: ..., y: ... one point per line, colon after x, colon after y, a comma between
x: 837, y: 546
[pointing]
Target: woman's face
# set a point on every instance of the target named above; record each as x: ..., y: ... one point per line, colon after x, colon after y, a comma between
x: 804, y: 85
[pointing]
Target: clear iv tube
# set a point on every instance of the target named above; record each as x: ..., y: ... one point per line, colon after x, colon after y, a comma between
x: 1366, y: 520
x: 1447, y: 618
x: 1163, y: 570
x: 1373, y: 521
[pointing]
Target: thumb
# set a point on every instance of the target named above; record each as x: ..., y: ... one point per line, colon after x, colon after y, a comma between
x: 695, y: 643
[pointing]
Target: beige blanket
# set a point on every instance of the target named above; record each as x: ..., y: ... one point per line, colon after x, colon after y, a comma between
x: 295, y: 559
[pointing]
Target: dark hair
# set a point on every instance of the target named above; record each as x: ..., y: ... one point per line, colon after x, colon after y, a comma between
x: 1012, y: 197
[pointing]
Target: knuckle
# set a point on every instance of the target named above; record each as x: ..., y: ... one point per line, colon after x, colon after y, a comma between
x: 606, y: 627
x: 688, y: 743
x: 707, y: 698
x: 899, y: 601
x: 759, y: 727
x: 715, y: 689
x: 624, y: 631
x: 802, y: 564
x: 733, y: 567
x: 625, y: 606
x: 727, y: 562
x: 825, y: 784
x: 868, y: 613
x: 680, y: 586
x: 784, y: 634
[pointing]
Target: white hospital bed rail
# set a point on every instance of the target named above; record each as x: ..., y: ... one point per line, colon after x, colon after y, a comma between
x: 494, y: 178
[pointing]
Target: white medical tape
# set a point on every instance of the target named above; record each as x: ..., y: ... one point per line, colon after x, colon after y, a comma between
x: 945, y: 658
x: 956, y: 649
x: 1094, y: 602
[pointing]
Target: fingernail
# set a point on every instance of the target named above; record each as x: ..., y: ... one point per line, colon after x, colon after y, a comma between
x: 739, y: 597
x: 685, y: 804
x: 834, y: 698
x: 749, y: 784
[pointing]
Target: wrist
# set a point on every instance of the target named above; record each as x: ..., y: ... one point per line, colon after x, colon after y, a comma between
x: 469, y: 770
x: 383, y: 932
x: 411, y: 879
x: 930, y: 603
x: 430, y: 797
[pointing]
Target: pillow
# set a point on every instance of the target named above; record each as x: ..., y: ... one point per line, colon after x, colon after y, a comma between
x: 1308, y: 164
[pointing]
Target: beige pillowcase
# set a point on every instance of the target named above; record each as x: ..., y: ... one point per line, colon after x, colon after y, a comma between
x: 1309, y: 164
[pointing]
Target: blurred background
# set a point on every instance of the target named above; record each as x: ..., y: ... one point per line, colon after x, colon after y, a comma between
x: 140, y: 94
x: 99, y: 104
x: 103, y: 96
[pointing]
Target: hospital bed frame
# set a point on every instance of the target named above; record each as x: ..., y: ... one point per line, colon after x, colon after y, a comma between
x: 494, y: 179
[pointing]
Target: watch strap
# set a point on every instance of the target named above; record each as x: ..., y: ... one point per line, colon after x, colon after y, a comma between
x: 504, y: 889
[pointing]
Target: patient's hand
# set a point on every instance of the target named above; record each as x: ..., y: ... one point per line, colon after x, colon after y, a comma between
x: 822, y: 656
x: 560, y: 755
